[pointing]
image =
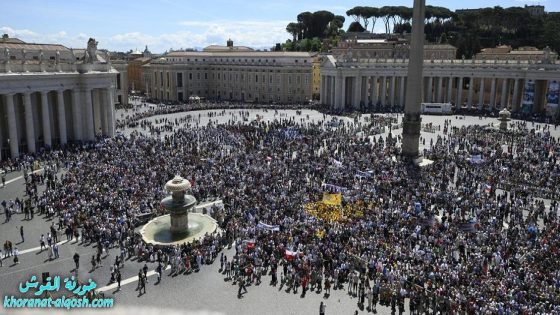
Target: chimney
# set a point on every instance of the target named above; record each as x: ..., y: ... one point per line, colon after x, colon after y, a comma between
x: 230, y: 43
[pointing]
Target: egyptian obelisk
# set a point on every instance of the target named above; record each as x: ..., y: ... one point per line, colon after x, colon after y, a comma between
x: 412, y: 120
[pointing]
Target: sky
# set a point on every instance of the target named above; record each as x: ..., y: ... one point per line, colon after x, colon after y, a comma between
x: 122, y: 25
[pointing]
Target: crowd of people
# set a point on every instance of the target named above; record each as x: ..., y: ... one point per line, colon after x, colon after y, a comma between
x: 467, y: 234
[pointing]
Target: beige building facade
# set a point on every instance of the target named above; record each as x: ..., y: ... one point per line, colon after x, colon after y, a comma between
x: 481, y: 84
x: 231, y: 75
x: 50, y: 95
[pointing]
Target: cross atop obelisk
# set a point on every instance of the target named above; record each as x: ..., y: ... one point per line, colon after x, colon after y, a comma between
x: 412, y: 120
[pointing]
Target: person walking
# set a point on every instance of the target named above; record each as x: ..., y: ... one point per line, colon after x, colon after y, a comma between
x: 21, y: 233
x: 42, y: 242
x: 322, y: 308
x: 55, y: 250
x: 241, y: 283
x: 119, y: 278
x: 159, y: 272
x: 77, y: 260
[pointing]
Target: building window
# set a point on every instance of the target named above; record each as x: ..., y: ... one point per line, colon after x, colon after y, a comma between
x: 206, y: 76
x: 180, y: 80
x: 256, y: 78
x: 161, y: 80
x: 198, y: 76
x: 190, y: 76
x: 167, y: 75
x: 118, y: 81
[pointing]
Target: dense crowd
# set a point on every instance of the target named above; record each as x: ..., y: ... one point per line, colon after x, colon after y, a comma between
x: 466, y: 234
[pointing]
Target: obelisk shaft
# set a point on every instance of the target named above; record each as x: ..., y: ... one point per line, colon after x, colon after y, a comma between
x: 412, y: 120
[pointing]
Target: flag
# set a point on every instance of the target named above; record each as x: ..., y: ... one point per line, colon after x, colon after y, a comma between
x: 269, y: 227
x: 337, y: 163
x: 333, y: 188
x: 332, y: 199
x: 290, y: 255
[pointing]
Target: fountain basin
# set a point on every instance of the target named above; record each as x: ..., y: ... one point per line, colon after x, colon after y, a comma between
x: 158, y: 231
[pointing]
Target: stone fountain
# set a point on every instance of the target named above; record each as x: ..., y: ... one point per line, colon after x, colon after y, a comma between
x: 181, y: 225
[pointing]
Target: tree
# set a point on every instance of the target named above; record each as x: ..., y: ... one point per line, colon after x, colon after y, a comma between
x: 355, y: 27
x: 293, y: 29
x: 306, y: 21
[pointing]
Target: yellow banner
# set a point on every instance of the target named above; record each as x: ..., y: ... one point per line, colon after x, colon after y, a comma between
x: 332, y: 199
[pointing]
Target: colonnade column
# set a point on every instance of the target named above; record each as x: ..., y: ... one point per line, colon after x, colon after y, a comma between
x: 459, y: 102
x: 46, y: 115
x: 357, y: 91
x: 343, y: 93
x: 29, y: 125
x: 481, y: 94
x: 392, y: 91
x: 110, y: 110
x: 61, y: 117
x: 515, y: 98
x: 90, y: 133
x: 493, y: 94
x: 382, y: 91
x: 77, y: 121
x: 439, y: 89
x: 373, y: 90
x: 450, y: 90
x: 503, y: 99
x: 332, y: 81
x: 12, y: 127
x: 401, y: 94
x: 471, y: 90
x: 338, y: 92
x: 429, y: 90
x: 322, y: 95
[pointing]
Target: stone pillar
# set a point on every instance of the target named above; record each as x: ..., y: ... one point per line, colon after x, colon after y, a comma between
x: 322, y: 98
x: 343, y: 93
x: 29, y: 124
x: 46, y: 116
x: 77, y: 121
x: 504, y: 94
x: 412, y: 120
x: 450, y: 90
x: 439, y: 89
x: 61, y: 117
x: 383, y: 91
x: 96, y: 102
x: 515, y: 97
x: 333, y: 90
x: 88, y: 115
x: 430, y: 90
x: 357, y: 91
x: 12, y: 126
x: 481, y: 94
x: 392, y: 91
x: 401, y: 94
x: 471, y: 90
x: 110, y: 107
x: 373, y: 90
x: 459, y: 102
x: 493, y: 94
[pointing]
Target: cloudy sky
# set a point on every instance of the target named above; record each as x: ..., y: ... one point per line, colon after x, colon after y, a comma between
x: 163, y: 24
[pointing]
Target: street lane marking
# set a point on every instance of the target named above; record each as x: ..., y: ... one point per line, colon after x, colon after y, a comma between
x: 20, y: 177
x: 127, y: 281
